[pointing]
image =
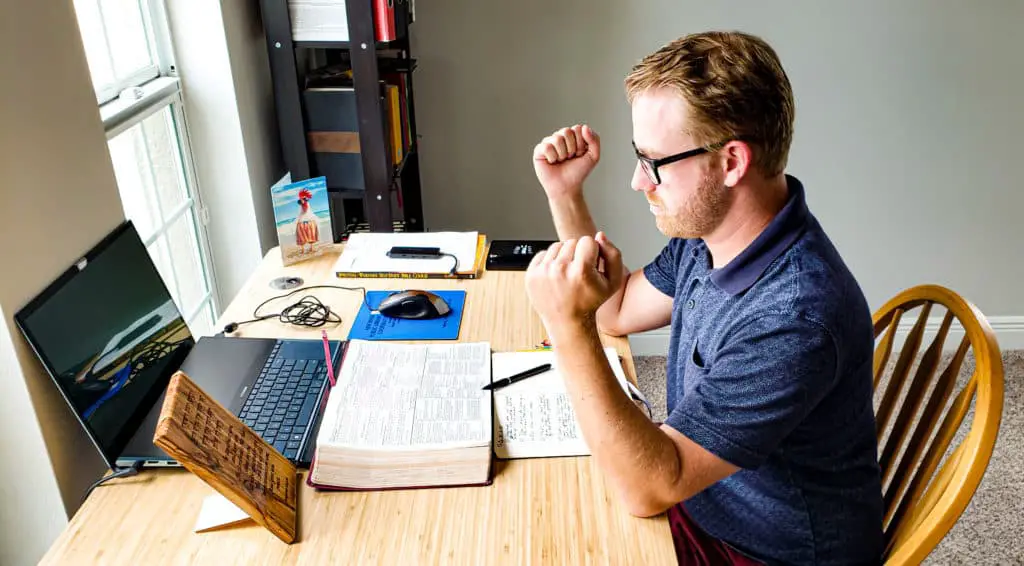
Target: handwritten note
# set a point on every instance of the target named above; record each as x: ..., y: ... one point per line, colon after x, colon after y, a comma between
x: 534, y: 418
x: 213, y: 444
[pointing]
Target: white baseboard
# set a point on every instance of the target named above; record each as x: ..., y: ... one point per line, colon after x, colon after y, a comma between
x: 1009, y: 331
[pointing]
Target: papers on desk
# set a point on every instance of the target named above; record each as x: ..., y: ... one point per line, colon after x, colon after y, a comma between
x: 366, y: 255
x: 534, y: 418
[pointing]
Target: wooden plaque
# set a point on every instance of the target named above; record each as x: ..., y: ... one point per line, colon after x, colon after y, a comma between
x: 213, y: 444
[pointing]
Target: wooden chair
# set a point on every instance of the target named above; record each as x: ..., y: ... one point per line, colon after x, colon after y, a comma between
x: 921, y: 505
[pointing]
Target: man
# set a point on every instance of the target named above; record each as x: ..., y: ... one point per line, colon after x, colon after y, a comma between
x: 768, y: 453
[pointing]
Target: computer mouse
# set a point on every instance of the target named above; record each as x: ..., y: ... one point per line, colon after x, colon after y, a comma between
x: 413, y: 304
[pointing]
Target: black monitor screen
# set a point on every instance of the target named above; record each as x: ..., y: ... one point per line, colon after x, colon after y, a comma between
x: 110, y: 335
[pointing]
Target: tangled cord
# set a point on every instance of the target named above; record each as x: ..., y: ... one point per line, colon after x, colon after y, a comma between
x: 309, y: 311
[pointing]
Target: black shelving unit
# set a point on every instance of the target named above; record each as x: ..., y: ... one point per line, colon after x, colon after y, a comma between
x: 390, y: 198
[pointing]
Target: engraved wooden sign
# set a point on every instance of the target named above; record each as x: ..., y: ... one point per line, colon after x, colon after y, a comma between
x: 213, y: 444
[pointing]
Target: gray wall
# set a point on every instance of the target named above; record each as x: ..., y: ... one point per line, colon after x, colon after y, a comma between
x: 908, y: 125
x: 58, y: 196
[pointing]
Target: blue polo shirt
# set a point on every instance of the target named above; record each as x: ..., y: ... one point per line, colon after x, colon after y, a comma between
x: 770, y: 368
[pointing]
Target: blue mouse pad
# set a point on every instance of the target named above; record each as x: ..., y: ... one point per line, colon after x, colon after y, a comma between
x: 375, y: 326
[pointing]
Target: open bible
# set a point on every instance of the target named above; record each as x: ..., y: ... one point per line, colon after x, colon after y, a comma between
x: 406, y: 415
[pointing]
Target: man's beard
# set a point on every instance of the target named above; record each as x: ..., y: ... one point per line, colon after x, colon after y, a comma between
x: 701, y: 214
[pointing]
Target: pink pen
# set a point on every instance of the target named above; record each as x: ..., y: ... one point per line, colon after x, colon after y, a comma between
x: 327, y: 358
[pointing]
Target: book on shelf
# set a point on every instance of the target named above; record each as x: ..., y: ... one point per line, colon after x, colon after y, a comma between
x: 365, y: 254
x: 406, y: 416
x: 332, y: 119
x: 396, y: 139
x: 318, y: 20
x: 327, y: 20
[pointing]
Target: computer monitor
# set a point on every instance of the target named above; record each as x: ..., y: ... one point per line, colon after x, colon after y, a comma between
x: 110, y: 336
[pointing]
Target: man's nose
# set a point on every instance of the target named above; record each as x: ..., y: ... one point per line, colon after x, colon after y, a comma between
x: 640, y: 181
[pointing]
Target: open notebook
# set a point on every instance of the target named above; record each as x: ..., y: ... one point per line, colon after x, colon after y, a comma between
x: 534, y: 417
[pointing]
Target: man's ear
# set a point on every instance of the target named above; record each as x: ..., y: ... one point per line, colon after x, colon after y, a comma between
x: 737, y: 158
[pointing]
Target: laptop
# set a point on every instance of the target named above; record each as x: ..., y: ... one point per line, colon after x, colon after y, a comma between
x: 110, y: 336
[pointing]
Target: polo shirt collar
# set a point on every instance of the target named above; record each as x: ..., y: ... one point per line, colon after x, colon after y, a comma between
x: 745, y: 269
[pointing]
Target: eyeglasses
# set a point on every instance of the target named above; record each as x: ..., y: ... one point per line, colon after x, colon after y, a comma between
x: 650, y: 166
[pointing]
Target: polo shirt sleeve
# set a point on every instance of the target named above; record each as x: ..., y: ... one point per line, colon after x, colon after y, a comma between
x: 662, y: 271
x: 769, y: 374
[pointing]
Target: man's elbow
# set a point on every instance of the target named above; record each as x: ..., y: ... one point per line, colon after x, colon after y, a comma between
x: 611, y: 331
x: 609, y: 325
x: 646, y: 505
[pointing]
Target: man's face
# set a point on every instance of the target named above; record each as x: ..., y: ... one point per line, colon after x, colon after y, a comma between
x: 691, y: 199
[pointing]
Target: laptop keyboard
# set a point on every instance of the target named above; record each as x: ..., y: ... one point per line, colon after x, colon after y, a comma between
x: 282, y: 400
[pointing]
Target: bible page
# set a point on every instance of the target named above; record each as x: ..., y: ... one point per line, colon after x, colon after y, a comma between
x: 410, y: 396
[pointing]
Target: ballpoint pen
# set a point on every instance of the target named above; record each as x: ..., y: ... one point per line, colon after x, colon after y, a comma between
x: 517, y: 377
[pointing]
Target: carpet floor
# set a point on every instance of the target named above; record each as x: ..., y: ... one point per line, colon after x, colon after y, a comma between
x: 989, y: 531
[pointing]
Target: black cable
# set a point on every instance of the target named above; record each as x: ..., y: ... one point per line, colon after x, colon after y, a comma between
x: 132, y: 470
x: 151, y: 353
x: 309, y: 311
x: 455, y: 268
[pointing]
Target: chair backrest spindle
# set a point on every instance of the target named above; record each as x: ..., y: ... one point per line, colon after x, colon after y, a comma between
x: 926, y: 480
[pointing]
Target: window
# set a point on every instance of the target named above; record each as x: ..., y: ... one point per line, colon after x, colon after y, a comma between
x: 128, y: 48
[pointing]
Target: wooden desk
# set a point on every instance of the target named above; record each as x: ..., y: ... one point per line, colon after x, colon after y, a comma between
x: 542, y: 511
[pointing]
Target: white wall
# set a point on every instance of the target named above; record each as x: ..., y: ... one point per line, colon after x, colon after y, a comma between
x: 250, y: 70
x: 229, y: 107
x: 58, y: 196
x: 908, y: 125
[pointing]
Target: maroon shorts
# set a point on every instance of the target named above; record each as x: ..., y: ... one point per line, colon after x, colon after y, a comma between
x: 694, y: 547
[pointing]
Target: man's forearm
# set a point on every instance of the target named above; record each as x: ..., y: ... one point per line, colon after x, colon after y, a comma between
x: 608, y: 314
x: 573, y: 220
x: 572, y: 217
x: 639, y: 459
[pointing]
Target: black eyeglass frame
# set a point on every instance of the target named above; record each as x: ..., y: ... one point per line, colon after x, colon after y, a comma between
x: 650, y: 166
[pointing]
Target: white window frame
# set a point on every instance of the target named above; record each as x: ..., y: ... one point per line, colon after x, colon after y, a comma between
x: 130, y: 101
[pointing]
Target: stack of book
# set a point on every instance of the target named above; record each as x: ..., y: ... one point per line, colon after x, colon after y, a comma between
x: 462, y: 255
x: 327, y: 20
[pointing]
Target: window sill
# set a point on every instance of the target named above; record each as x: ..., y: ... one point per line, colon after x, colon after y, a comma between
x: 124, y: 111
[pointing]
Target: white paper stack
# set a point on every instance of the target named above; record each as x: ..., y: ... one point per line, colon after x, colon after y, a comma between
x: 318, y: 20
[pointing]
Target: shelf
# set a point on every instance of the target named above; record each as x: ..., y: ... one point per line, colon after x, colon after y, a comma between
x: 396, y: 226
x: 397, y: 45
x: 298, y: 64
x: 346, y: 193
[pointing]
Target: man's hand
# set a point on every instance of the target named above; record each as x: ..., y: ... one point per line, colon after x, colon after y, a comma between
x: 611, y: 264
x: 565, y: 285
x: 563, y: 160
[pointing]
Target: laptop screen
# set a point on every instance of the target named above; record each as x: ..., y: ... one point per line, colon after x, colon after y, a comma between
x: 110, y: 336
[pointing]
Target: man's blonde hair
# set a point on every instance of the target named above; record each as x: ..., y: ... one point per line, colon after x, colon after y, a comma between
x: 735, y: 87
